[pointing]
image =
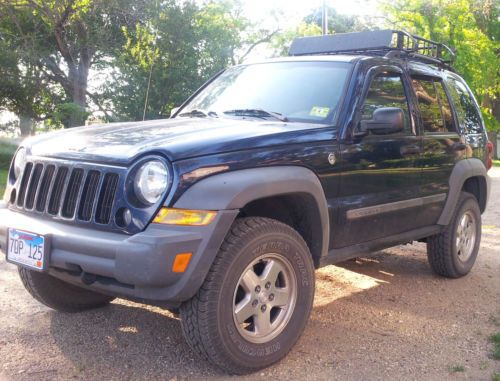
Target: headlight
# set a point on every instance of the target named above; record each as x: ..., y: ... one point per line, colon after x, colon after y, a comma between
x: 151, y: 181
x: 19, y: 162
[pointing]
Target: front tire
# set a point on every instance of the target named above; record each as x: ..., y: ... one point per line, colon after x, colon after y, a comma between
x: 453, y: 252
x: 59, y: 295
x: 256, y: 299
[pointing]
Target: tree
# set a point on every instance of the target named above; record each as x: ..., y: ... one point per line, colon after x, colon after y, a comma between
x: 24, y: 89
x: 311, y: 26
x: 72, y: 37
x: 181, y: 46
x: 472, y: 28
x: 337, y: 23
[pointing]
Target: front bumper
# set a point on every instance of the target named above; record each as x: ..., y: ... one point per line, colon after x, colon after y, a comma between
x: 136, y: 266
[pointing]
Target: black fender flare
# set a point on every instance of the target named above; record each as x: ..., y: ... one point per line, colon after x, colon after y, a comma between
x: 235, y: 189
x: 463, y: 170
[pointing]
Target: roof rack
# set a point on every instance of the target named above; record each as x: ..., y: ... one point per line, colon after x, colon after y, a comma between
x: 388, y: 42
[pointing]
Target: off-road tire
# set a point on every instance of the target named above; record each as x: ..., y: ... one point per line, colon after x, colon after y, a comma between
x: 442, y: 248
x: 59, y: 295
x: 207, y: 319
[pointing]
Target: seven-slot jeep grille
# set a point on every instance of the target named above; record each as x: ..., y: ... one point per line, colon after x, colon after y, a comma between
x: 69, y: 192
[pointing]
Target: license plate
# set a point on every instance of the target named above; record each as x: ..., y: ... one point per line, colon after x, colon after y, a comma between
x: 27, y: 249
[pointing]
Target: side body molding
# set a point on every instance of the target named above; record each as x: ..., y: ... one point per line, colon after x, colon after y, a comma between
x: 234, y: 190
x: 463, y: 170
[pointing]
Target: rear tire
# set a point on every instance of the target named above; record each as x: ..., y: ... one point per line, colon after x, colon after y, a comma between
x: 453, y: 252
x: 256, y: 299
x: 59, y: 295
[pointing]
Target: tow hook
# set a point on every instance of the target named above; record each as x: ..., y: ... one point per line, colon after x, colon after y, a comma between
x: 88, y: 279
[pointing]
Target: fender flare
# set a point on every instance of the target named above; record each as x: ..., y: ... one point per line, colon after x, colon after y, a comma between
x: 462, y: 171
x: 235, y: 189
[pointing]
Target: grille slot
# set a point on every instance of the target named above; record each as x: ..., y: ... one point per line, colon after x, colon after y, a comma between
x: 57, y: 189
x: 44, y: 188
x: 24, y: 184
x: 33, y: 186
x: 106, y: 198
x: 88, y: 195
x: 71, y: 198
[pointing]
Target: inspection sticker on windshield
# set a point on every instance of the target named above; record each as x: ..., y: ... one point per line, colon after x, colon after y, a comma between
x: 26, y: 249
x: 321, y: 112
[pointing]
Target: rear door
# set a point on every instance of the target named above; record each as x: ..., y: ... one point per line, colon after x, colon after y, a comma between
x: 442, y: 144
x: 380, y: 177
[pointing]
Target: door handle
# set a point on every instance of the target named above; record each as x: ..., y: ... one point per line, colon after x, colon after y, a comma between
x: 410, y: 150
x: 459, y: 146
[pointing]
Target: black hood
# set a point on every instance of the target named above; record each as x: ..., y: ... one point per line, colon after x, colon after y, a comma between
x: 179, y: 138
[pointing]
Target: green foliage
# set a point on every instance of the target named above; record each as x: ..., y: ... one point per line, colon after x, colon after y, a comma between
x: 311, y: 26
x: 24, y: 89
x: 282, y: 42
x: 3, y: 181
x: 179, y: 48
x: 64, y: 113
x: 495, y: 339
x: 51, y: 47
x: 337, y: 23
x: 472, y: 28
x: 6, y: 153
x: 158, y: 52
x: 456, y: 368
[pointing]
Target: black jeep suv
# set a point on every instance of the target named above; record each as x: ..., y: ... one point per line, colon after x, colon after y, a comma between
x: 352, y: 144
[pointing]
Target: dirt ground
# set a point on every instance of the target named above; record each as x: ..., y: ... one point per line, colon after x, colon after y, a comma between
x: 387, y: 317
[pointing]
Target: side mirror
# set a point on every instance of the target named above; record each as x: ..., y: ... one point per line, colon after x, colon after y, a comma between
x: 386, y: 120
x: 174, y: 111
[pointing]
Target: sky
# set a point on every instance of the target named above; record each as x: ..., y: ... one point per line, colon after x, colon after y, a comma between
x: 295, y: 10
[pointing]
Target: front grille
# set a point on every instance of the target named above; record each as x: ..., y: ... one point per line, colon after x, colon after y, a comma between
x: 73, y: 193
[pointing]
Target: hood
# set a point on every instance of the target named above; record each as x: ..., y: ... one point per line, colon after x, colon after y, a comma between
x: 179, y: 138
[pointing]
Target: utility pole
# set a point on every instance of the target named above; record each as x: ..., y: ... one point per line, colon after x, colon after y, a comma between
x: 324, y: 19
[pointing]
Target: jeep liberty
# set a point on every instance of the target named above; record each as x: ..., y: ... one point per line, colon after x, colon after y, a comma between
x: 351, y: 144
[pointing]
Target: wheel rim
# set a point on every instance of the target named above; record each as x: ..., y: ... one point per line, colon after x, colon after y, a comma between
x: 466, y: 236
x: 265, y: 298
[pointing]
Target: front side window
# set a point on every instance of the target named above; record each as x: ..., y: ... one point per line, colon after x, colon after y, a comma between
x: 298, y: 91
x: 467, y: 112
x: 433, y: 104
x: 386, y: 90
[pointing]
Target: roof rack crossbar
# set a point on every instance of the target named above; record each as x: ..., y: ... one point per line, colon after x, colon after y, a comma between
x: 375, y: 43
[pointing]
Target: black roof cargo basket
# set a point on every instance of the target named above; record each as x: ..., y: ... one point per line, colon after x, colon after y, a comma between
x: 378, y: 42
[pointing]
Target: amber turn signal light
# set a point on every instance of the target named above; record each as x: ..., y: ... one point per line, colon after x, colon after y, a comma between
x: 181, y: 262
x: 184, y: 217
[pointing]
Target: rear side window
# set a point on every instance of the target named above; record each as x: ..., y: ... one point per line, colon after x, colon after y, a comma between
x: 434, y: 105
x: 467, y: 112
x: 386, y: 90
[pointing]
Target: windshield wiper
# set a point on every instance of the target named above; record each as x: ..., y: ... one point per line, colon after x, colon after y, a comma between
x: 258, y: 113
x: 199, y: 113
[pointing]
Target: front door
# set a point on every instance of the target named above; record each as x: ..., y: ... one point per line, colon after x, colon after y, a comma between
x: 379, y: 187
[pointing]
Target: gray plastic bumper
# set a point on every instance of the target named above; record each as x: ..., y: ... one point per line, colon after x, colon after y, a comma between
x: 137, y: 266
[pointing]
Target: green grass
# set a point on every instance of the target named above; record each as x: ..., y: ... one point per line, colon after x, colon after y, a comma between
x: 495, y: 377
x: 496, y: 163
x: 495, y: 339
x: 456, y: 368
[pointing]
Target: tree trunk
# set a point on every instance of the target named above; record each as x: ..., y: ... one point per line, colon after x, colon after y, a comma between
x: 78, y: 79
x: 25, y: 125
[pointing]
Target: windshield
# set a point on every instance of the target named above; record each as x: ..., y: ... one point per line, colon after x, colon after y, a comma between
x: 286, y: 91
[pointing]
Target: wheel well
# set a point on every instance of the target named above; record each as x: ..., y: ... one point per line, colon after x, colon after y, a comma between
x: 477, y: 187
x: 298, y: 210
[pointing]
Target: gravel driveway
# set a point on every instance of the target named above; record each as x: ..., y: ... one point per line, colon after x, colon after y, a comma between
x: 387, y: 317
